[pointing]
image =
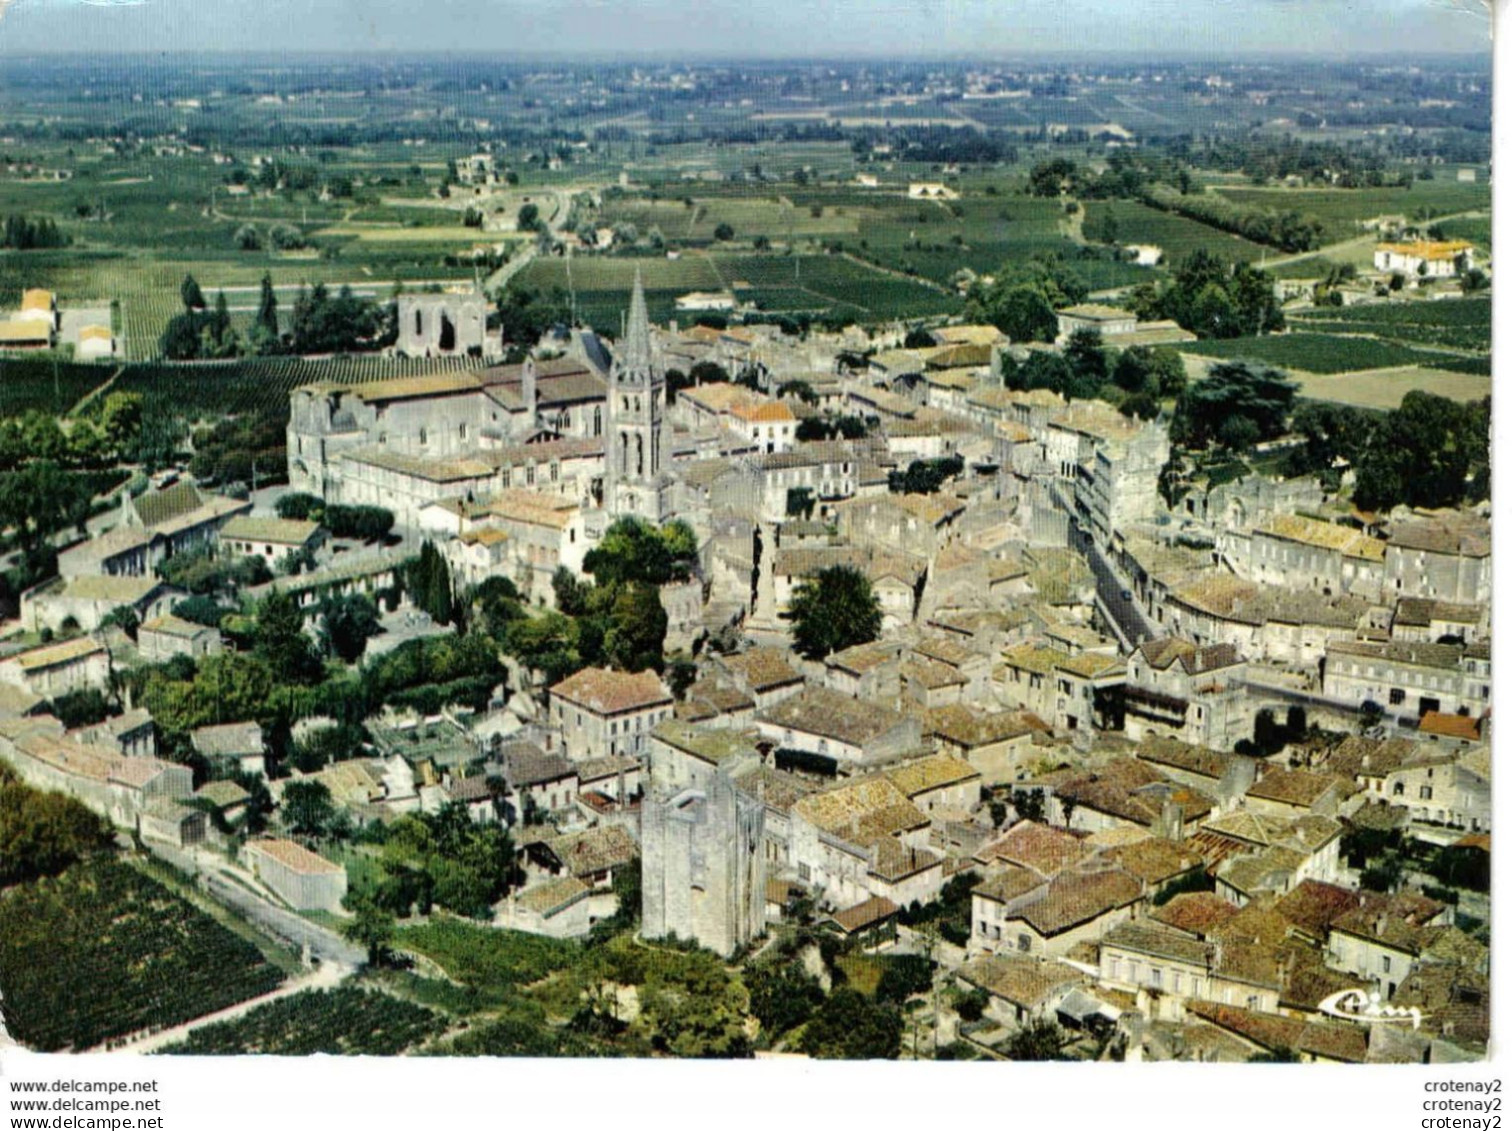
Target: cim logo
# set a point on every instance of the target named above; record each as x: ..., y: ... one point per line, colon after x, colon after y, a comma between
x: 1366, y: 1009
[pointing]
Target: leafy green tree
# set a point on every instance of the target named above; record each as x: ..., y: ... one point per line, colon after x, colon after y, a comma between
x: 638, y: 630
x: 835, y: 609
x: 123, y: 617
x: 903, y: 976
x: 346, y: 625
x: 189, y: 292
x: 848, y: 1026
x: 266, y: 336
x: 43, y: 833
x: 1428, y: 452
x: 121, y: 420
x: 281, y: 641
x: 307, y: 808
x: 1022, y: 312
x: 783, y: 996
x: 1038, y: 1040
x: 428, y: 582
x: 634, y: 550
x: 1044, y: 370
x: 299, y: 505
x: 546, y: 643
x: 681, y: 673
x: 692, y: 1007
x: 1233, y: 390
x: 372, y: 927
x: 1088, y: 358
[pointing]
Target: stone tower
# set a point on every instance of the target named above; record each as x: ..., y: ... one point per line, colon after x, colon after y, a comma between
x: 703, y: 864
x: 635, y: 455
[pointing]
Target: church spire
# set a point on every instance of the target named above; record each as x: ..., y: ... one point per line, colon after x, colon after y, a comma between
x: 637, y: 352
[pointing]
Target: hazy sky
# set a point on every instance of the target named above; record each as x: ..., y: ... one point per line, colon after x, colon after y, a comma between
x: 751, y: 28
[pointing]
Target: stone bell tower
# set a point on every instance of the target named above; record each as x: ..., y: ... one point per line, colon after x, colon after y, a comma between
x: 635, y: 457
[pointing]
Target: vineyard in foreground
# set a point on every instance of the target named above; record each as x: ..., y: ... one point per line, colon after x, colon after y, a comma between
x: 102, y: 952
x: 342, y: 1022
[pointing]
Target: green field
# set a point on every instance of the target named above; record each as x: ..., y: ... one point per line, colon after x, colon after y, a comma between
x: 1176, y: 236
x: 42, y: 383
x: 808, y: 283
x: 477, y: 955
x: 204, y: 390
x: 1343, y: 210
x: 342, y: 1022
x: 1323, y: 353
x: 1463, y: 324
x: 102, y: 951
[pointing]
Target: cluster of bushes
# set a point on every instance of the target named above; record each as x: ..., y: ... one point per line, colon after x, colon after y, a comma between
x: 366, y: 523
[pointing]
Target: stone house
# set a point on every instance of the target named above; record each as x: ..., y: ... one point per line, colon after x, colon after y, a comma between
x: 856, y: 733
x: 864, y: 838
x: 164, y: 637
x: 1291, y: 793
x: 272, y: 539
x: 765, y: 674
x: 1383, y: 939
x: 537, y: 781
x: 1409, y: 680
x: 999, y: 745
x: 1018, y: 911
x: 1176, y: 689
x: 1441, y: 558
x: 1296, y: 552
x: 601, y: 712
x: 1020, y: 988
x: 557, y: 909
x: 120, y: 789
x: 85, y: 601
x: 56, y: 669
x: 1073, y: 693
x: 232, y: 748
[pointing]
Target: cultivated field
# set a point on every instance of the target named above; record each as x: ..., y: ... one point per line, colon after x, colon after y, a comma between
x: 102, y: 951
x: 1385, y: 388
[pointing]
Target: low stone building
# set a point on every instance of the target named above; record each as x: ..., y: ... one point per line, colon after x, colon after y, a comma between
x: 56, y: 669
x: 304, y: 880
x: 164, y: 637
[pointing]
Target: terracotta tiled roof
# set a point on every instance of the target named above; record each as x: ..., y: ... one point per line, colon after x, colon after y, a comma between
x: 1297, y: 787
x: 295, y: 857
x: 607, y: 692
x: 1025, y: 982
x: 595, y: 850
x: 1201, y: 913
x: 1450, y: 726
x: 1045, y: 849
x: 1074, y: 898
x: 865, y: 914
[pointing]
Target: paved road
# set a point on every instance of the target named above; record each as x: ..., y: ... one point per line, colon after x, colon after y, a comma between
x: 1135, y: 625
x: 324, y: 944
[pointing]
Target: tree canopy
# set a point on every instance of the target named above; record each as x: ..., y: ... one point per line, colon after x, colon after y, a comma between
x: 1236, y: 404
x: 832, y: 610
